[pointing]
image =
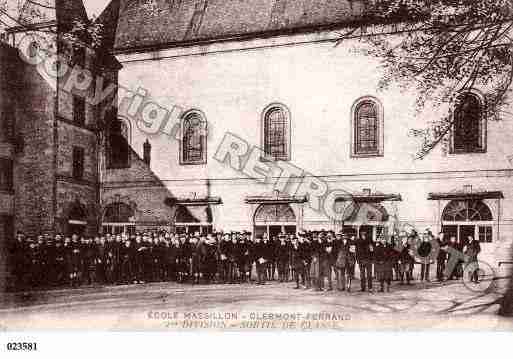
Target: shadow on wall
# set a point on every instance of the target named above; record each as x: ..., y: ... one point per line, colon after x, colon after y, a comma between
x: 129, y: 183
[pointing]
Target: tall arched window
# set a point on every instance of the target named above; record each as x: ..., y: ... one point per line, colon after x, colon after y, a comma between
x: 367, y: 128
x: 118, y: 146
x: 469, y: 126
x: 276, y: 132
x: 194, y: 138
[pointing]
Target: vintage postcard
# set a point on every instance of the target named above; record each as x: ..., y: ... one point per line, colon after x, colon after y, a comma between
x: 255, y: 165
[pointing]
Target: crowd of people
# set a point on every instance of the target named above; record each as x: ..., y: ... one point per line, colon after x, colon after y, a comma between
x: 318, y: 260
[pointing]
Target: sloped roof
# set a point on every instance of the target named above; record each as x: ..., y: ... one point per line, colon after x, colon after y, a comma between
x: 64, y: 12
x: 165, y: 23
x: 109, y: 19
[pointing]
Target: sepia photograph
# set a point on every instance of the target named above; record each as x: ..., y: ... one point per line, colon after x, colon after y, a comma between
x: 255, y: 166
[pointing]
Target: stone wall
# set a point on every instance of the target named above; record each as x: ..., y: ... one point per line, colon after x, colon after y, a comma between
x: 34, y: 173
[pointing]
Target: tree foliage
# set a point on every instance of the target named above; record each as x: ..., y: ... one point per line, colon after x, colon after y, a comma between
x: 440, y: 49
x: 26, y: 13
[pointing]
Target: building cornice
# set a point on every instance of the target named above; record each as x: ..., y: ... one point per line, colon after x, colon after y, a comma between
x: 226, y: 45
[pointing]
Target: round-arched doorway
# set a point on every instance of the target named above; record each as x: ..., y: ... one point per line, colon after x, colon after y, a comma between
x: 463, y: 218
x: 369, y: 218
x: 118, y: 218
x: 193, y: 219
x: 274, y: 219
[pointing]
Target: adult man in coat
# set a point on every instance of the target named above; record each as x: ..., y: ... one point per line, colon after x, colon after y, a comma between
x: 441, y: 258
x: 346, y: 260
x: 364, y: 256
x: 424, y: 251
x: 225, y: 252
x: 472, y: 250
x: 298, y: 260
x: 259, y: 254
x: 405, y: 260
x: 282, y: 257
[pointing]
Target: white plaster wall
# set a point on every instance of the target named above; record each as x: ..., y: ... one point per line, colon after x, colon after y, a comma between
x: 318, y: 83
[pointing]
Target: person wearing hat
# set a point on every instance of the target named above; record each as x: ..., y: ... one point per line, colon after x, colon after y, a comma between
x: 60, y: 261
x: 233, y: 253
x: 172, y: 258
x: 242, y: 258
x: 405, y: 260
x: 109, y: 262
x: 33, y: 267
x: 197, y: 257
x: 325, y: 255
x: 48, y: 261
x: 308, y: 250
x: 259, y: 255
x: 384, y: 257
x: 317, y: 249
x: 424, y: 251
x: 89, y: 261
x: 441, y: 258
x: 137, y: 258
x: 225, y: 251
x: 345, y: 262
x: 299, y: 261
x: 18, y: 259
x: 161, y: 248
x: 471, y: 251
x: 128, y: 254
x: 364, y: 256
x: 148, y: 258
x: 75, y: 261
x: 208, y: 261
x: 282, y: 256
x: 269, y: 256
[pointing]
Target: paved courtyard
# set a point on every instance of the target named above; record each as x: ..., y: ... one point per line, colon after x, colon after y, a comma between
x: 172, y: 306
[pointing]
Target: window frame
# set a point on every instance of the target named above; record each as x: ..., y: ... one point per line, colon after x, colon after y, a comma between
x: 8, y: 164
x: 79, y: 114
x: 204, y: 123
x: 483, y: 126
x: 78, y: 150
x: 288, y: 135
x: 109, y: 162
x: 379, y: 128
x: 486, y: 220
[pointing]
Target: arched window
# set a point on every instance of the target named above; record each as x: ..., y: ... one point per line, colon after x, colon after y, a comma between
x: 463, y: 218
x: 276, y: 132
x: 367, y: 128
x: 273, y: 219
x: 468, y: 127
x: 194, y: 139
x: 467, y: 211
x: 118, y: 212
x: 118, y: 145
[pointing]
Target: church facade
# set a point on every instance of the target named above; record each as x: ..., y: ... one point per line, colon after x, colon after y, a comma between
x: 275, y: 120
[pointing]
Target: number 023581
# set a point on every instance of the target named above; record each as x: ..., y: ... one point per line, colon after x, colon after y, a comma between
x: 21, y: 346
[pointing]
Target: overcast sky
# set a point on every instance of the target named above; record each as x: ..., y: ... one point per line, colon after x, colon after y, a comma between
x: 95, y: 7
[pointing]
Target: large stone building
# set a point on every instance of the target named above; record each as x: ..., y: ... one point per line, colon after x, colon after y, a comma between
x: 266, y: 73
x: 240, y: 76
x: 49, y: 143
